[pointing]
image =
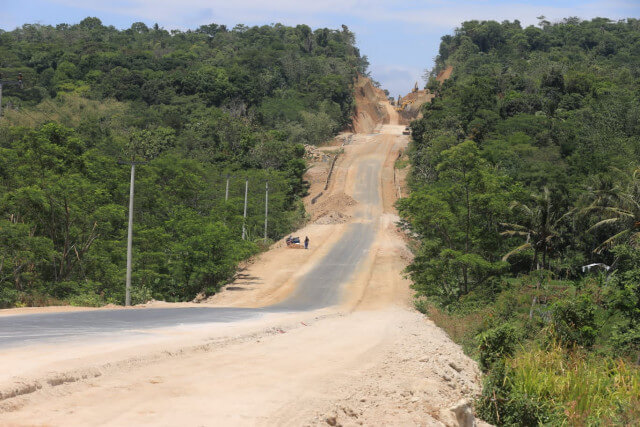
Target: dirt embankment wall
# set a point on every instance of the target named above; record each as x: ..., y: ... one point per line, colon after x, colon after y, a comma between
x: 370, y: 111
x: 373, y: 109
x: 412, y: 103
x: 444, y: 74
x: 414, y: 100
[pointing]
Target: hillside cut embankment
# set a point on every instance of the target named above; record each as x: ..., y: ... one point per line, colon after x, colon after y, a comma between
x: 412, y: 102
x: 370, y: 110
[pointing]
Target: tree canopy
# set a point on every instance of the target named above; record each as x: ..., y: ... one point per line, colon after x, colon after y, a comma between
x: 524, y: 201
x: 196, y: 106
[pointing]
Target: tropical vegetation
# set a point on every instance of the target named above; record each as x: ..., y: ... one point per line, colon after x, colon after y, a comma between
x: 525, y: 203
x: 192, y: 108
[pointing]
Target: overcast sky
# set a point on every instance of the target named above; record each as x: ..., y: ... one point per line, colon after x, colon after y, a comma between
x: 400, y: 38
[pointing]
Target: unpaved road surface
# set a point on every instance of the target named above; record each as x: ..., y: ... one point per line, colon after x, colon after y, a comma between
x: 331, y: 339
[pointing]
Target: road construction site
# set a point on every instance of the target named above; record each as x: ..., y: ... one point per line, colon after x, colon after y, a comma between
x: 324, y: 336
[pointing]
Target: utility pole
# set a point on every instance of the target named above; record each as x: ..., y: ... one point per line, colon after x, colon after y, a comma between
x: 127, y: 298
x: 9, y: 83
x: 244, y: 221
x: 266, y: 209
x: 226, y: 192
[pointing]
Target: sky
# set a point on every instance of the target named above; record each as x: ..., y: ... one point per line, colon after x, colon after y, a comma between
x: 400, y: 38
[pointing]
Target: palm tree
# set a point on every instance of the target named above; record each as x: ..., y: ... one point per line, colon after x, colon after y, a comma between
x: 619, y: 207
x: 539, y: 227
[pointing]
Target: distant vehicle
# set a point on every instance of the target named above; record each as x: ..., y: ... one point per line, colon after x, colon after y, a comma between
x: 294, y: 243
x: 406, y: 131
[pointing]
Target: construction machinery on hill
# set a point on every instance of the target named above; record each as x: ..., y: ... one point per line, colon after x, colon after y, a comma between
x: 410, y: 98
x: 402, y: 103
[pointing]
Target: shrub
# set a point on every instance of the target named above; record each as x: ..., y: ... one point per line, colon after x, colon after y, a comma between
x: 497, y: 343
x: 552, y: 386
x: 626, y: 339
x: 140, y: 295
x: 574, y: 321
x: 86, y: 300
x: 421, y: 305
x: 585, y: 390
x: 500, y: 404
x: 8, y: 297
x: 65, y: 288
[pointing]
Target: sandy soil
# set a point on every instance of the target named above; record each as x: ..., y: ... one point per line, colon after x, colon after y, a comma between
x: 370, y: 108
x: 383, y: 367
x: 444, y: 74
x: 373, y: 360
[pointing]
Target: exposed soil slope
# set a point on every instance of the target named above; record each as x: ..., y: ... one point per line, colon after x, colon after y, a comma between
x: 444, y: 74
x: 414, y: 100
x: 370, y: 111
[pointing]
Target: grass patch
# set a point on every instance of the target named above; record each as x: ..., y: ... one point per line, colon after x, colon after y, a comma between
x: 584, y: 389
x: 461, y: 328
x: 402, y: 163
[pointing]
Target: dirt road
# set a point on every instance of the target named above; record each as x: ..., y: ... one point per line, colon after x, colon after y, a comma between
x: 368, y: 360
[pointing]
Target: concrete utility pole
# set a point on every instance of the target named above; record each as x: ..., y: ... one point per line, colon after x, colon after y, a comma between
x: 244, y: 221
x: 9, y: 83
x: 127, y: 297
x: 266, y: 209
x: 226, y: 193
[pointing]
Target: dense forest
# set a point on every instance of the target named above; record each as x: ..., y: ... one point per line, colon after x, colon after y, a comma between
x: 193, y: 107
x: 525, y: 205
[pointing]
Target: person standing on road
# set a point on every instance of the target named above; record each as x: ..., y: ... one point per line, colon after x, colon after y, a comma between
x: 306, y: 242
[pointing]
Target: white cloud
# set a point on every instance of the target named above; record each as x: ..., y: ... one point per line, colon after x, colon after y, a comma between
x: 397, y: 79
x: 441, y: 14
x: 420, y: 23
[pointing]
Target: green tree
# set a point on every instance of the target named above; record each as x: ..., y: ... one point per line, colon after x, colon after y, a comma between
x: 455, y: 219
x: 619, y: 209
x: 540, y: 227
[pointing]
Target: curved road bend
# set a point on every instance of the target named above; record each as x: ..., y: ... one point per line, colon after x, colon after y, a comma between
x: 321, y: 287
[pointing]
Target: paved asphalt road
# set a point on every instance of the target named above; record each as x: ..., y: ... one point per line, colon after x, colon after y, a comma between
x: 319, y: 288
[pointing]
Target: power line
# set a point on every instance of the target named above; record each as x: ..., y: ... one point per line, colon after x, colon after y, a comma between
x: 54, y: 106
x: 22, y: 110
x: 42, y: 111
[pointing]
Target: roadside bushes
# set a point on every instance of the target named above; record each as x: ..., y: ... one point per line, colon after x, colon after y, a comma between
x: 496, y: 344
x: 553, y: 385
x: 8, y: 297
x: 574, y: 321
x: 502, y: 403
x: 561, y: 366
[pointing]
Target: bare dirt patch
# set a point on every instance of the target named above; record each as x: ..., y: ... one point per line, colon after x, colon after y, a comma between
x: 336, y: 204
x: 370, y: 109
x: 332, y: 218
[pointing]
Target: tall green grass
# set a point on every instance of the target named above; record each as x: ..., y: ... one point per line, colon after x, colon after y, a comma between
x: 586, y: 389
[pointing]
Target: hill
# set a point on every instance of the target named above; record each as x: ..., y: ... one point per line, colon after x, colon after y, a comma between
x: 524, y: 200
x: 196, y: 106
